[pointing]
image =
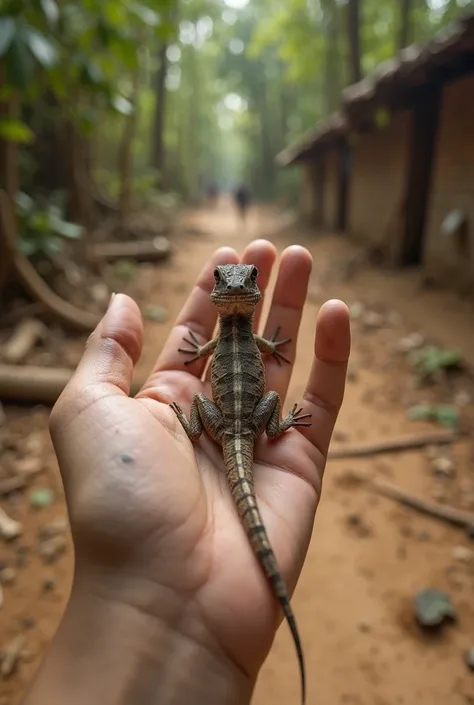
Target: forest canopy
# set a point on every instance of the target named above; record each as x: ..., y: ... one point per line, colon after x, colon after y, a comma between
x: 124, y: 100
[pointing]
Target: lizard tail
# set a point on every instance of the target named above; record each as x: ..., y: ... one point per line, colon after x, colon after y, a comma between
x: 238, y: 461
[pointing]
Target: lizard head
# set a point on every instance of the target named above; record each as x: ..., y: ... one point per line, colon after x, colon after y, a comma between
x: 236, y: 290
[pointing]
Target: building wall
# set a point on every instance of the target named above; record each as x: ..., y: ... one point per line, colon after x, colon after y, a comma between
x: 446, y: 256
x: 332, y: 188
x: 377, y: 185
x: 311, y: 205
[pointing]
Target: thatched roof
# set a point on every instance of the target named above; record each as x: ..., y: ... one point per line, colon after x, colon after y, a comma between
x: 388, y: 84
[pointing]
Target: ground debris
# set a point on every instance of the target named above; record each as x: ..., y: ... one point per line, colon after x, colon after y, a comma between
x: 9, y: 528
x: 51, y: 549
x: 392, y: 445
x: 433, y: 608
x: 25, y: 336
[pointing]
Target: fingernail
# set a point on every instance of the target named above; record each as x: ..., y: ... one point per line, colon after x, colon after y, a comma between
x: 111, y: 299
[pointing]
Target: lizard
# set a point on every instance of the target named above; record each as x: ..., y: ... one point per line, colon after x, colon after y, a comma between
x: 240, y: 411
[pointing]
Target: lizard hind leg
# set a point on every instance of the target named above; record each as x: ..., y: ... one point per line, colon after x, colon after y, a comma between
x: 204, y: 414
x: 267, y: 416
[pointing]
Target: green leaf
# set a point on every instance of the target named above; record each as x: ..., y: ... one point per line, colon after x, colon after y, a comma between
x: 51, y: 10
x: 72, y: 231
x: 24, y: 202
x: 7, y: 32
x: 146, y: 15
x: 15, y: 131
x: 42, y: 49
x: 121, y: 105
x: 19, y: 64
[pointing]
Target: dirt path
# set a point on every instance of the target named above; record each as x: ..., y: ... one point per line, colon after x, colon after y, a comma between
x: 368, y: 556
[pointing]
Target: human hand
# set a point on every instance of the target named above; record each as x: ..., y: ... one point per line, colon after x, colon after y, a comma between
x: 153, y: 521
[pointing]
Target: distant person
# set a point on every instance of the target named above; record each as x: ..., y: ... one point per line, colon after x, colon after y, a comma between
x: 242, y: 200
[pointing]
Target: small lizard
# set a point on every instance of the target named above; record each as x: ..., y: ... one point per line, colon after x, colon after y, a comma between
x: 241, y: 411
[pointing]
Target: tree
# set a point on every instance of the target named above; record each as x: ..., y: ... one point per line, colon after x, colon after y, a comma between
x: 353, y: 34
x: 404, y: 36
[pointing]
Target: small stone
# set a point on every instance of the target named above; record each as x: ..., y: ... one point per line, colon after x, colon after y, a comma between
x: 54, y: 528
x: 423, y: 536
x: 11, y: 655
x: 469, y: 658
x: 462, y: 398
x: 410, y: 342
x: 100, y: 293
x: 356, y: 310
x: 8, y: 576
x: 41, y: 498
x: 463, y: 554
x: 372, y: 319
x: 28, y: 466
x: 433, y: 608
x: 52, y: 548
x: 443, y: 466
x: 340, y: 436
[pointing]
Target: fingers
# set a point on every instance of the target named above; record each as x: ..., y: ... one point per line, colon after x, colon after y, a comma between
x: 325, y: 389
x: 199, y: 315
x: 110, y: 355
x: 285, y: 313
x: 262, y: 254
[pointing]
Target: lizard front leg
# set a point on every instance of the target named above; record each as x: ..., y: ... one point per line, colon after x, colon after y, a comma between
x: 203, y: 414
x: 267, y: 416
x: 197, y: 349
x: 271, y: 345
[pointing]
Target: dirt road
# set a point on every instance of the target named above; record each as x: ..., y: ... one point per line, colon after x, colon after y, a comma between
x: 368, y: 557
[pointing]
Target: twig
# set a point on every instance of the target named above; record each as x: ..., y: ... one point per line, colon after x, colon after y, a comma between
x: 11, y: 484
x: 392, y: 445
x: 34, y: 383
x: 458, y: 517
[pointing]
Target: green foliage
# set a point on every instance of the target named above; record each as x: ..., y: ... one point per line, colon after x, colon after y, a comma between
x: 15, y: 131
x: 430, y: 360
x: 42, y: 228
x: 446, y: 415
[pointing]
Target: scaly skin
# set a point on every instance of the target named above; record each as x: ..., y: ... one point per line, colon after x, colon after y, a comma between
x: 241, y: 411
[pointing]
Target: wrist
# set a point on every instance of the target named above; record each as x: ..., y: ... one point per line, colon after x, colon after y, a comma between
x: 113, y: 653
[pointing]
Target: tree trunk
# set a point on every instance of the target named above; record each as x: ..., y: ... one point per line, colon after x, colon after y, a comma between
x: 158, y: 127
x: 80, y: 201
x: 353, y: 33
x: 332, y: 87
x: 125, y: 157
x: 404, y: 36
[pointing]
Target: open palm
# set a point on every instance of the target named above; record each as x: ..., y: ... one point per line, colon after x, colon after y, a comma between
x: 147, y: 505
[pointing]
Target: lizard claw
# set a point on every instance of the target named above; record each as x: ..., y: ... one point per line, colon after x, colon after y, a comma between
x: 194, y: 350
x: 297, y: 417
x: 276, y: 343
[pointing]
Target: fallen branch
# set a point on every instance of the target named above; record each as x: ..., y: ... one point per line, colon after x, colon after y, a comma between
x: 451, y: 515
x: 138, y: 250
x: 41, y: 385
x: 23, y: 339
x: 392, y: 445
x: 33, y: 283
x: 11, y: 484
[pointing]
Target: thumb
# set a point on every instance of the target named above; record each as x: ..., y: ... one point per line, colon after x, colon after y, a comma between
x: 111, y: 353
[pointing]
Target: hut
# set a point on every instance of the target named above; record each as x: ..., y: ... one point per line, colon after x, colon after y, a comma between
x: 400, y: 165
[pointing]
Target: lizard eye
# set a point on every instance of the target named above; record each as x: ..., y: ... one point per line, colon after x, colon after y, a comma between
x: 254, y: 274
x: 217, y: 276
